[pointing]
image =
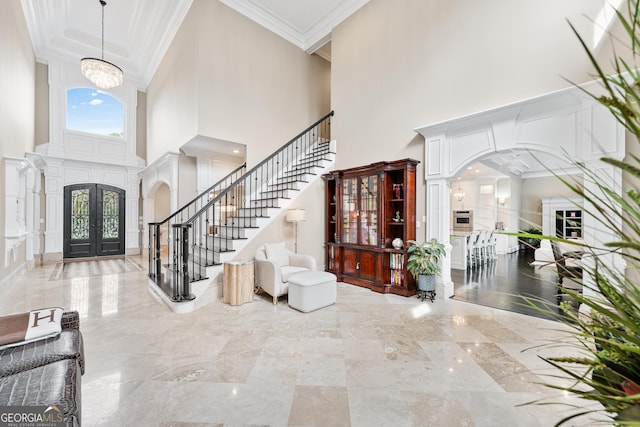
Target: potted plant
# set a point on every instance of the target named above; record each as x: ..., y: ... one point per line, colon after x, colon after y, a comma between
x: 606, y: 328
x: 528, y: 238
x: 423, y: 262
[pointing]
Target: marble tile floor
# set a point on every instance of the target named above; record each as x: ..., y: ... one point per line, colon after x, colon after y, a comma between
x: 368, y: 360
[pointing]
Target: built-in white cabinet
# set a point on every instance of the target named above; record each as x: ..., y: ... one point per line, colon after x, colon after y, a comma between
x: 459, y: 251
x: 562, y: 217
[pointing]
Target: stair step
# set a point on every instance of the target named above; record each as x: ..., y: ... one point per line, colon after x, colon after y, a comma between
x: 286, y: 186
x: 290, y: 180
x: 258, y: 212
x: 312, y: 156
x: 312, y: 160
x: 219, y: 243
x: 243, y: 221
x: 311, y: 170
x: 233, y: 232
x: 277, y: 193
x: 206, y: 257
x: 267, y: 202
x: 322, y: 145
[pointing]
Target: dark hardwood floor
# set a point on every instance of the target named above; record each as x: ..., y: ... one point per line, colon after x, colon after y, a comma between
x: 503, y: 282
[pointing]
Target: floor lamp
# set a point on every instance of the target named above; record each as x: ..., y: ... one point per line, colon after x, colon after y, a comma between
x: 295, y: 216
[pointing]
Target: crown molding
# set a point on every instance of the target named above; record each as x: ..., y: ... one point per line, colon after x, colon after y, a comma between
x: 309, y: 39
x: 137, y: 46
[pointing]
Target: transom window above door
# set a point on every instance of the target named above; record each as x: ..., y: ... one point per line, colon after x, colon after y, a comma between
x: 94, y: 111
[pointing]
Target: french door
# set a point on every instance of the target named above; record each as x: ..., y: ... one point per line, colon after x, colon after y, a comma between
x: 93, y: 220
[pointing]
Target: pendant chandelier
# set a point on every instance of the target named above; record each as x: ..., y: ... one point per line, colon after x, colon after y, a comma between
x: 103, y: 74
x: 459, y: 194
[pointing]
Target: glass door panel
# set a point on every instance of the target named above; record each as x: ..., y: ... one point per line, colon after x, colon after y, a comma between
x: 369, y: 210
x: 80, y: 214
x: 350, y: 210
x: 110, y: 215
x: 79, y: 227
x: 110, y: 220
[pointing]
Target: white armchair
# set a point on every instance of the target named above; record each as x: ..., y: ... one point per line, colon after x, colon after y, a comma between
x: 274, y: 264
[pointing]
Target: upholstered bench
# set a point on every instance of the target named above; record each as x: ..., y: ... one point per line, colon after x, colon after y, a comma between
x: 311, y: 290
x: 67, y: 345
x: 46, y: 371
x: 56, y: 383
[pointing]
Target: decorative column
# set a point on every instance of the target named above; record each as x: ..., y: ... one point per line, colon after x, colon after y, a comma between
x: 596, y: 233
x: 439, y: 226
x: 54, y: 199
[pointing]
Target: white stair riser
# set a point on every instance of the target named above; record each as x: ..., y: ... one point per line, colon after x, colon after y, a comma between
x: 266, y: 203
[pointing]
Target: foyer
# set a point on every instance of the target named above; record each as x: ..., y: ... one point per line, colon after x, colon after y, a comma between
x: 370, y: 359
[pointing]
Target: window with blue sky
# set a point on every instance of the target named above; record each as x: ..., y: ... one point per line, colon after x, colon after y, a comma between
x: 94, y: 111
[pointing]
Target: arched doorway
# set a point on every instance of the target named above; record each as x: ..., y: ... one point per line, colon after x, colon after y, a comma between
x: 94, y: 221
x: 567, y: 124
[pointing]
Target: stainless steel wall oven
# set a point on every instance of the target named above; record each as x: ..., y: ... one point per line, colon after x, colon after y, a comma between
x: 462, y: 220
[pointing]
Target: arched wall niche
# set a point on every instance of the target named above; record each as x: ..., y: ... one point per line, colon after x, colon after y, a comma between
x: 162, y: 172
x: 523, y: 139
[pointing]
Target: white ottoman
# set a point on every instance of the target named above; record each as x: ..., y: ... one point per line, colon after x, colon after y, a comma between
x: 311, y: 290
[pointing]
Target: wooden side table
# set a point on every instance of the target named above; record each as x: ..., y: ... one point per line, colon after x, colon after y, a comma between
x: 238, y: 282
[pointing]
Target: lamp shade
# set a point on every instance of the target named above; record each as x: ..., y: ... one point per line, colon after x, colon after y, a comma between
x: 296, y: 215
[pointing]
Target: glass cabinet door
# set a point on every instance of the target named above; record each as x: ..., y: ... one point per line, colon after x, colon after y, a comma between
x: 369, y: 210
x: 349, y: 210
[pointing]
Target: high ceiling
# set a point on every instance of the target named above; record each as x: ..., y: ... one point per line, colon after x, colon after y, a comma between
x: 138, y: 32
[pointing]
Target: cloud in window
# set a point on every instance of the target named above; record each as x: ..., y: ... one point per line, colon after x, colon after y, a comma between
x: 93, y: 111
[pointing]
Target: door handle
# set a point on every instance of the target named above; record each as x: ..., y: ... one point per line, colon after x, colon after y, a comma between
x: 357, y: 265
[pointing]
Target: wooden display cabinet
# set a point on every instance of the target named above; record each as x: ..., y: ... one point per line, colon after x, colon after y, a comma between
x: 367, y: 208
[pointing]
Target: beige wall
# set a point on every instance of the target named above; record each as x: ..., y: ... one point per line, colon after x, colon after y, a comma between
x: 17, y: 82
x: 187, y: 180
x: 395, y: 66
x: 141, y: 125
x: 400, y: 65
x: 42, y: 104
x: 17, y: 104
x: 226, y: 77
x: 171, y: 95
x: 162, y: 202
x: 533, y: 190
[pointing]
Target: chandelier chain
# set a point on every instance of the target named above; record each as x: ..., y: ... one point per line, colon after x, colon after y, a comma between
x: 103, y: 4
x: 103, y: 74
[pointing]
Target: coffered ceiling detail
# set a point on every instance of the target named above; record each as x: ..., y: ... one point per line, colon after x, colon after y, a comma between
x: 137, y: 33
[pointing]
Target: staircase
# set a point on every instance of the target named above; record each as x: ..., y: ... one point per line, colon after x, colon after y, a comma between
x: 187, y: 250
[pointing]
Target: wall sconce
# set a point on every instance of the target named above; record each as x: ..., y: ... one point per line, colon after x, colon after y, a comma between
x: 459, y: 194
x: 502, y: 201
x: 295, y: 216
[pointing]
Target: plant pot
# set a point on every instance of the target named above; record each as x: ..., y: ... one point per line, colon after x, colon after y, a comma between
x: 427, y: 282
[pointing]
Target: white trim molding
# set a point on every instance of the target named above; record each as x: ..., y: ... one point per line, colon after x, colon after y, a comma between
x: 22, y: 208
x: 563, y: 125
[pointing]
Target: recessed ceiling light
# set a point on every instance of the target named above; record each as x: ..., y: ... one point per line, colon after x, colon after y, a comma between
x: 236, y: 151
x: 477, y: 170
